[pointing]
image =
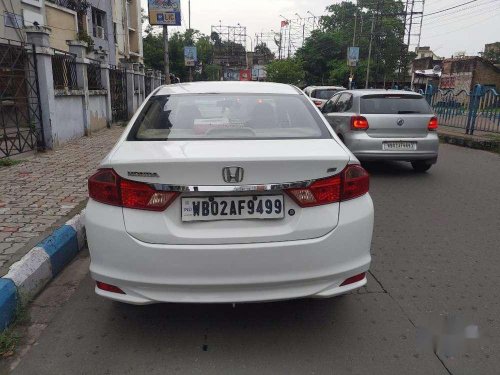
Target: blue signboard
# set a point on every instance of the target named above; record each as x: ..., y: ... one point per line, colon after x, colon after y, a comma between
x: 164, y: 12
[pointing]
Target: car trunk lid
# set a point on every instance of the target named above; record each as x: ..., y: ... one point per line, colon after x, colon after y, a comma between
x: 200, y: 164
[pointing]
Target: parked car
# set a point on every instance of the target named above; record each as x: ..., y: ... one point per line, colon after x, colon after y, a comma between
x: 321, y: 94
x: 228, y: 192
x: 385, y: 125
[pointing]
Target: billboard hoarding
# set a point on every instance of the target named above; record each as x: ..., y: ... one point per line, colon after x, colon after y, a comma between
x: 190, y: 56
x: 245, y: 75
x: 164, y: 12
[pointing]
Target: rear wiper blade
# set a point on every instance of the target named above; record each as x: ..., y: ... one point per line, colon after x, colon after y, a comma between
x: 406, y: 112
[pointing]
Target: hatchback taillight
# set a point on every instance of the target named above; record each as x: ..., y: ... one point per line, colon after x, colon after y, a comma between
x: 317, y: 102
x: 433, y: 124
x: 352, y: 182
x: 359, y: 123
x: 106, y: 186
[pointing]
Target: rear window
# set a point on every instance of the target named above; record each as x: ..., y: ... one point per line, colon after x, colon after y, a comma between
x: 324, y: 93
x: 394, y: 104
x: 227, y: 116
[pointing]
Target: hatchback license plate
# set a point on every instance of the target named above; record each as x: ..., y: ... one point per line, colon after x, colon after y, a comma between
x: 233, y: 208
x: 399, y: 146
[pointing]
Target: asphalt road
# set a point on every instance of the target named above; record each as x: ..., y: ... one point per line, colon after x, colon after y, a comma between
x: 435, y: 271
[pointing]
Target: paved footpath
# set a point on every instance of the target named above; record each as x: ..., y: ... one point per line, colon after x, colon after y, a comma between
x: 40, y: 193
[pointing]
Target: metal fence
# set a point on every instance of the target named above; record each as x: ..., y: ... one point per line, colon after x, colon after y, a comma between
x: 21, y: 125
x: 147, y: 84
x: 475, y: 110
x: 118, y: 89
x: 94, y: 78
x: 64, y: 70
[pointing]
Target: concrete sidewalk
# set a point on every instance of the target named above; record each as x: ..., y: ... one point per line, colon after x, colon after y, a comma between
x: 45, y: 190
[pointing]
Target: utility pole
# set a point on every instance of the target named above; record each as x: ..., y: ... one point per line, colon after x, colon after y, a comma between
x: 189, y: 22
x: 289, y: 37
x: 351, y: 75
x: 370, y: 52
x: 166, y: 58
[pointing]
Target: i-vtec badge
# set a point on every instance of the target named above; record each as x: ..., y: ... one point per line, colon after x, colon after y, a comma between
x: 143, y: 174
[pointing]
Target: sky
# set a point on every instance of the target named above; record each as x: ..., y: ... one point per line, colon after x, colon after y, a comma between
x: 466, y: 28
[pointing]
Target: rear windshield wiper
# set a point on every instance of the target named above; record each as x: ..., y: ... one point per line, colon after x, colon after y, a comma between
x: 406, y: 112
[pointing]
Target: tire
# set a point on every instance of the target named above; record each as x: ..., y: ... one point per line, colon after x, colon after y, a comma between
x: 421, y: 166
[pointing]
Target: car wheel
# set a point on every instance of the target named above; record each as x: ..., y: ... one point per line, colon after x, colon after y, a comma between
x: 421, y: 166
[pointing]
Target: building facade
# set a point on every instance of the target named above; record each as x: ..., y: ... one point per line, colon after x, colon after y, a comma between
x: 112, y: 28
x: 463, y: 73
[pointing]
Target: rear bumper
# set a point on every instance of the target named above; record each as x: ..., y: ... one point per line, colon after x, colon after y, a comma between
x: 229, y: 273
x: 368, y: 148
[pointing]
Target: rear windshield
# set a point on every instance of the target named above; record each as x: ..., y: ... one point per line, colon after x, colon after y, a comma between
x: 227, y: 116
x: 394, y: 104
x: 324, y: 93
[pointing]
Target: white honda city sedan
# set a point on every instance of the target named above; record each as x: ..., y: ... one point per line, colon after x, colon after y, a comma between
x: 228, y: 192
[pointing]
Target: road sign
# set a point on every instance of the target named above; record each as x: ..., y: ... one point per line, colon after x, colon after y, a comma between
x: 164, y: 12
x: 190, y: 56
x: 352, y: 56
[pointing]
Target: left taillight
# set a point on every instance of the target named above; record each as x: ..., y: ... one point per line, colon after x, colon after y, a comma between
x: 106, y: 186
x: 351, y: 183
x: 318, y: 103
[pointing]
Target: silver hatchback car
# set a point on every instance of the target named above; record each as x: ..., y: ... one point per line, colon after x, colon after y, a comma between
x: 385, y: 125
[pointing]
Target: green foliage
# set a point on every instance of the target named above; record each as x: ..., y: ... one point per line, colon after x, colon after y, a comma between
x: 285, y: 71
x: 324, y: 53
x: 9, y: 162
x: 492, y: 56
x: 263, y: 54
x: 84, y: 37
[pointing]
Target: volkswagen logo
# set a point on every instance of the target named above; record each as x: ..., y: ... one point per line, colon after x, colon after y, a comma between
x: 232, y: 174
x: 400, y: 122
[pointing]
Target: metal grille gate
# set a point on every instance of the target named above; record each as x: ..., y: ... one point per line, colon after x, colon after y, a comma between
x: 21, y: 126
x: 118, y: 86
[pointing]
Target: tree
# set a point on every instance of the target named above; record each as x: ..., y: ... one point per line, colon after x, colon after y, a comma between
x: 285, y: 71
x: 262, y: 54
x: 153, y: 51
x: 492, y: 55
x: 324, y: 53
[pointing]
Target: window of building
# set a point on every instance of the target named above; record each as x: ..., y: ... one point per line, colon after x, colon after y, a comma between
x: 13, y: 20
x: 99, y: 23
x: 115, y: 33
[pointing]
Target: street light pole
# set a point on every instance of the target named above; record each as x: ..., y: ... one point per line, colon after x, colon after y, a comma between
x: 166, y: 59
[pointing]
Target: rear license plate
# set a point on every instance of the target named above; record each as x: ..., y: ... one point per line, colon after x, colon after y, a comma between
x: 233, y: 208
x: 399, y: 146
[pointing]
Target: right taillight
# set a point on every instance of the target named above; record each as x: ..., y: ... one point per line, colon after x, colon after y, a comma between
x: 351, y: 183
x: 433, y: 124
x: 106, y: 186
x: 359, y: 123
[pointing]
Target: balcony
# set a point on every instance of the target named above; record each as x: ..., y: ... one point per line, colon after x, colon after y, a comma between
x: 79, y: 6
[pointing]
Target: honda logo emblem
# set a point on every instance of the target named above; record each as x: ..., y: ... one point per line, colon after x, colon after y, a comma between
x: 232, y: 174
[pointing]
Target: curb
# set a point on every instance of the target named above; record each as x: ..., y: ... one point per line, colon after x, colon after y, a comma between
x: 39, y: 266
x: 478, y: 144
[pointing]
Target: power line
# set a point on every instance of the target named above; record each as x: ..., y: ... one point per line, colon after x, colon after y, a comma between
x: 450, y: 8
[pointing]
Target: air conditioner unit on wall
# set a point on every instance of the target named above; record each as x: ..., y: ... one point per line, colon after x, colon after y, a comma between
x: 99, y: 32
